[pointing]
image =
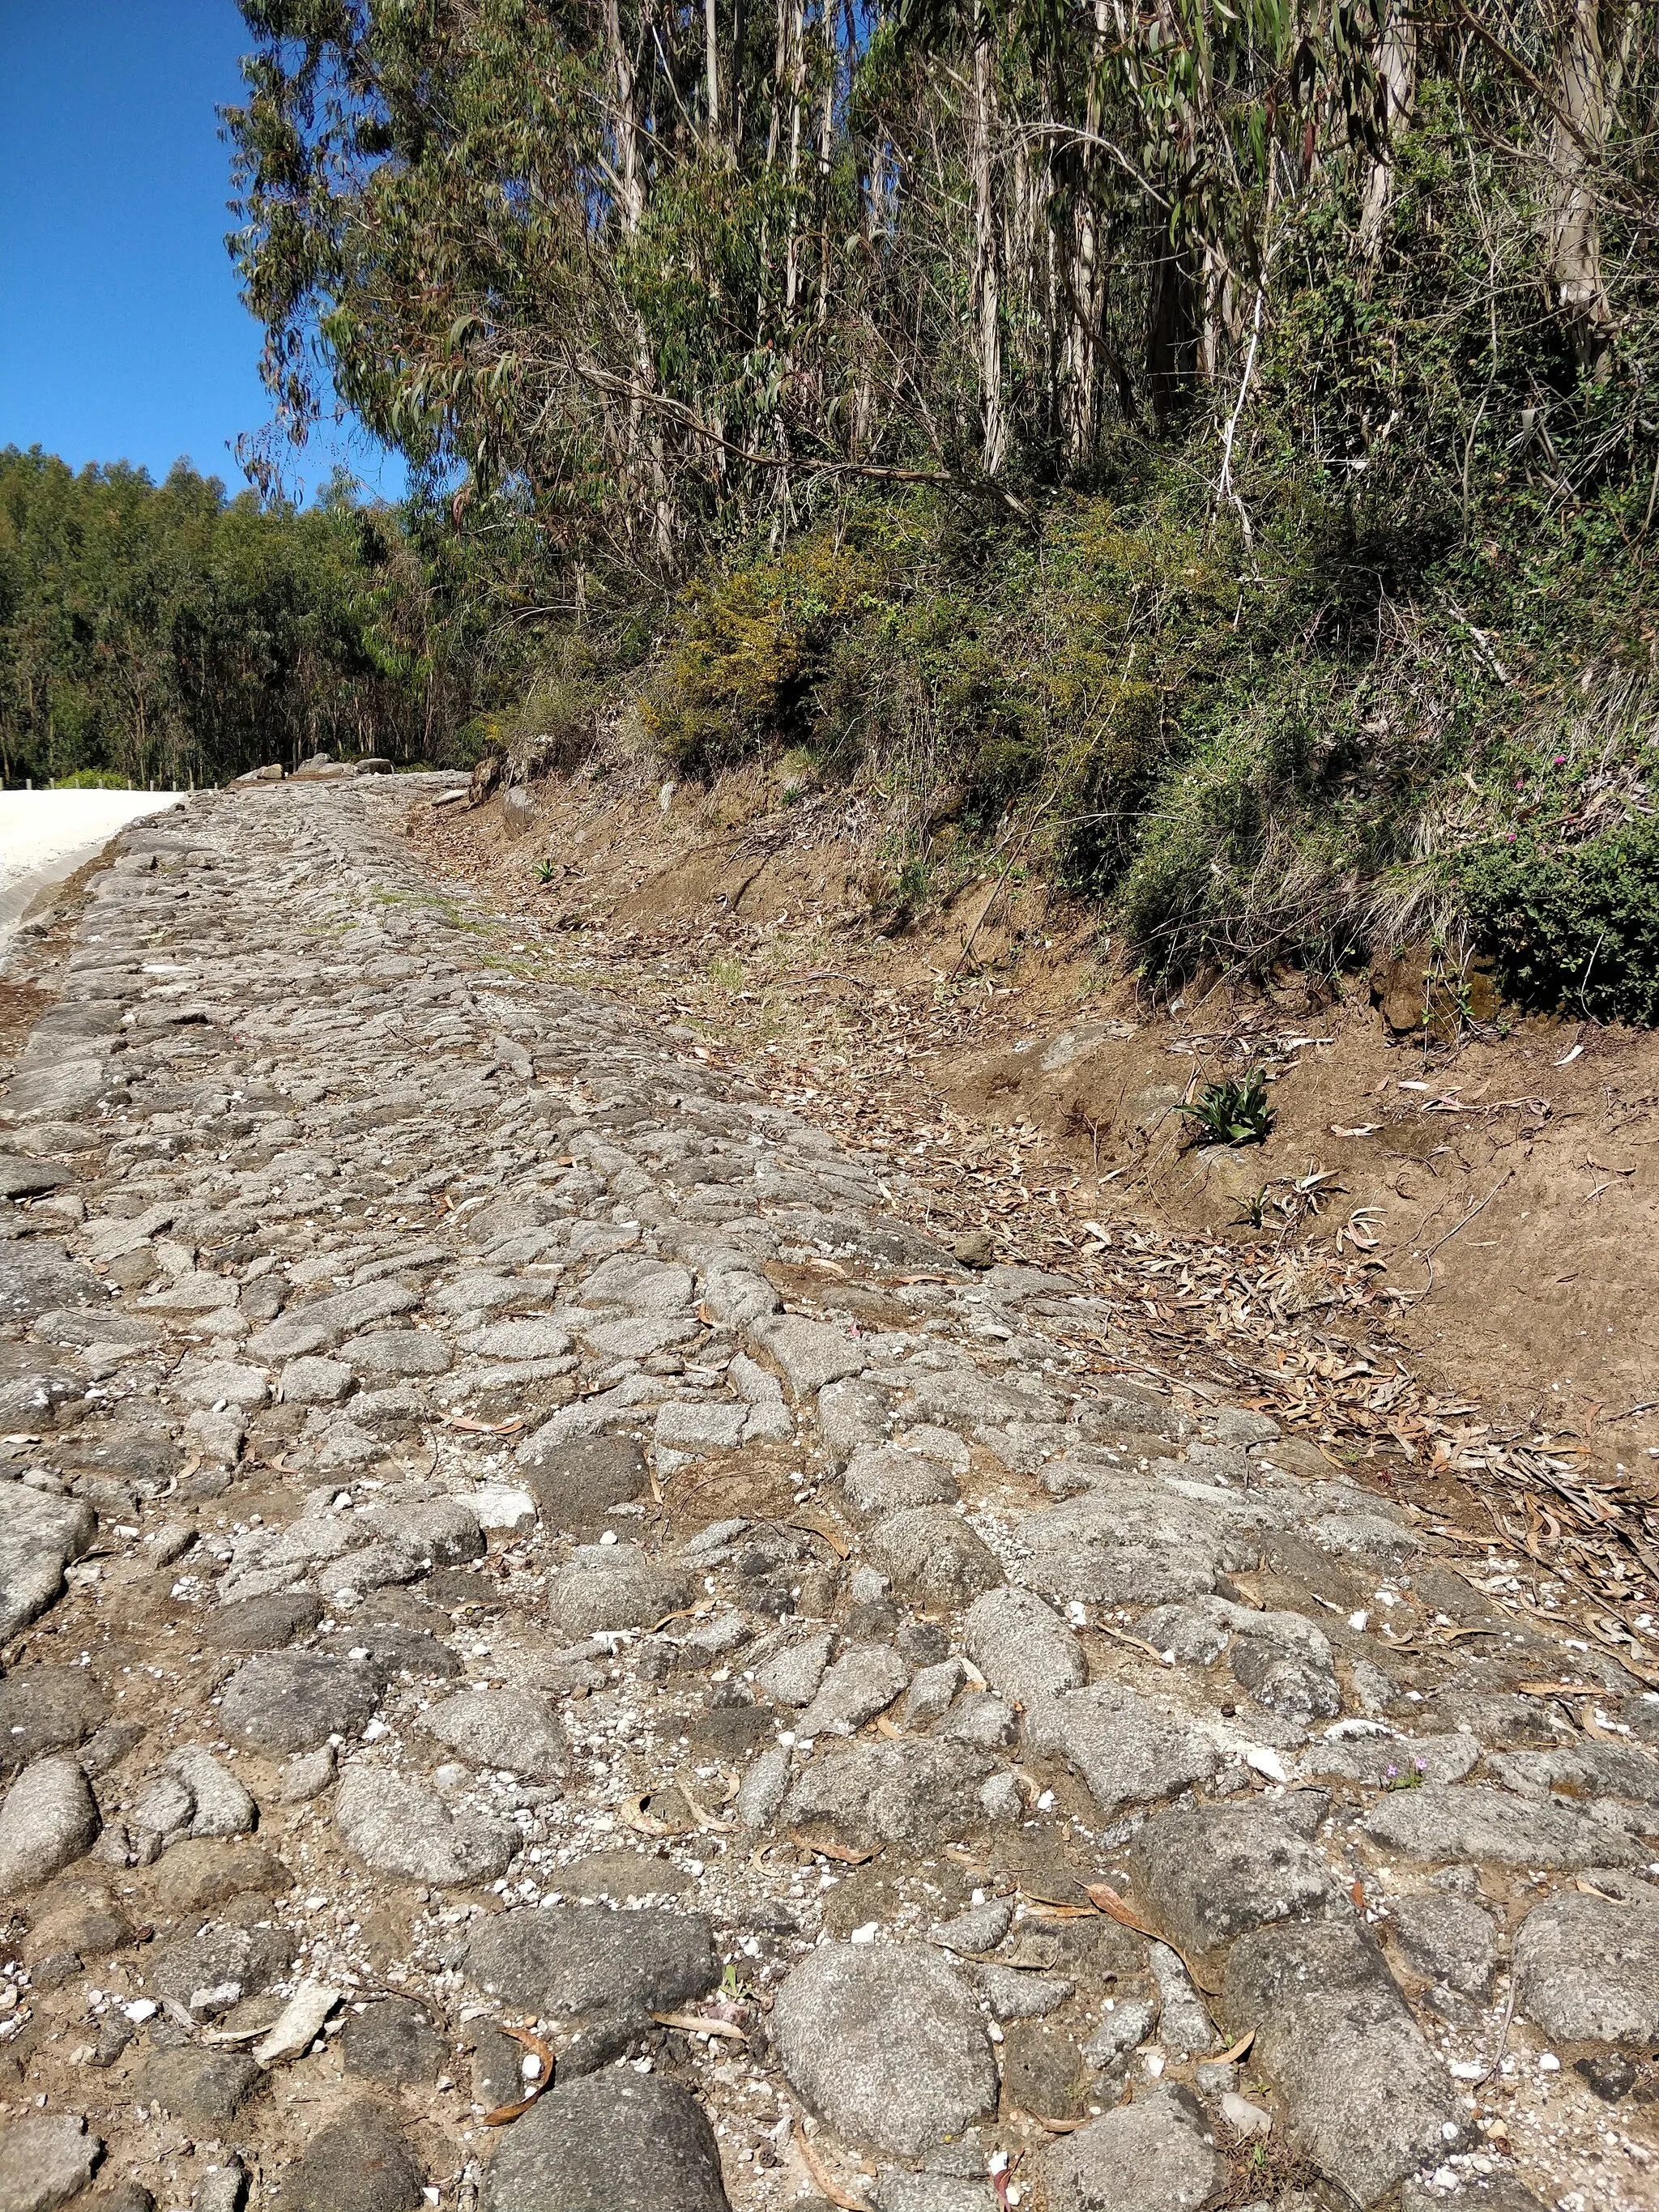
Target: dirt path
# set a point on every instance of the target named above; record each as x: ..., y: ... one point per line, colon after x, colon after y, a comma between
x: 474, y: 1463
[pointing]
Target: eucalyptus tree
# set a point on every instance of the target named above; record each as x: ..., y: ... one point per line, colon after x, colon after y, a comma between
x: 653, y: 274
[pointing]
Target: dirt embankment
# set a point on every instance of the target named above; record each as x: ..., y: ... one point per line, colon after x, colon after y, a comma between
x: 1448, y: 1248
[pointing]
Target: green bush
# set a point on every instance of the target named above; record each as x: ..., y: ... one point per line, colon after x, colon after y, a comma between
x: 1575, y: 929
x: 749, y: 642
x: 93, y: 778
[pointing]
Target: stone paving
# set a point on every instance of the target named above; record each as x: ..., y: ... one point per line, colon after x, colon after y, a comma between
x: 475, y: 1600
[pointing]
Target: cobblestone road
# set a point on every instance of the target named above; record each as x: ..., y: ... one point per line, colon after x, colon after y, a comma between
x: 475, y: 1599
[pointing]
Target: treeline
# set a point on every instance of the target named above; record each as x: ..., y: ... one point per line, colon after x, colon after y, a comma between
x: 669, y: 266
x: 166, y: 633
x: 1220, y: 434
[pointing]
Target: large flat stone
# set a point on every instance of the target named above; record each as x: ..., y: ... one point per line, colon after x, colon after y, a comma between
x: 46, y: 1709
x: 617, y: 2141
x: 1128, y: 1750
x: 204, y: 2088
x: 811, y: 1353
x: 577, y: 1959
x: 1471, y: 1821
x: 639, y: 1284
x: 1156, y: 2154
x: 295, y: 1700
x: 360, y: 2161
x: 920, y: 1791
x: 326, y: 1321
x: 933, y: 1556
x: 502, y: 1728
x: 614, y: 1586
x: 45, y: 2158
x: 394, y: 1826
x: 1214, y: 1871
x: 1587, y: 1969
x: 886, y: 2041
x: 1366, y: 2096
x: 1022, y: 1646
x: 67, y: 1087
x: 39, y: 1534
x: 394, y: 2043
x: 1143, y: 1542
x: 49, y: 1819
x: 576, y: 1483
x: 209, y: 1970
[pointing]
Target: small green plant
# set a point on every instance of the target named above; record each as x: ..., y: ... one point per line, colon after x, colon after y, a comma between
x: 546, y: 870
x: 726, y: 969
x: 1405, y: 1777
x: 1234, y: 1112
x: 910, y: 885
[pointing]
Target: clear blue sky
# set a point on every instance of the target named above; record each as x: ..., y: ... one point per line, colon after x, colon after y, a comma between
x: 121, y: 334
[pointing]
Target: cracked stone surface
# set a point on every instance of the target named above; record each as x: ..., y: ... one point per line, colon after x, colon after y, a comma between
x: 462, y: 1558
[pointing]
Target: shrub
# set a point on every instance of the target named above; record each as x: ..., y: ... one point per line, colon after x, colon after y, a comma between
x: 1235, y: 1111
x: 94, y: 779
x: 751, y: 640
x: 1575, y: 929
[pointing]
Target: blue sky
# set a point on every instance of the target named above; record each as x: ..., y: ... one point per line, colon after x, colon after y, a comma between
x: 121, y: 334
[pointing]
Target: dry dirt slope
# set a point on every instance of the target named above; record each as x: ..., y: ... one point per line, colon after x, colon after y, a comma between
x: 517, y: 1548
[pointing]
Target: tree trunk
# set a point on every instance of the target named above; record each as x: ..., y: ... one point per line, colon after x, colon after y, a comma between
x: 797, y: 107
x: 987, y: 289
x: 1396, y: 75
x: 1085, y: 301
x: 630, y: 176
x: 739, y: 31
x: 1578, y: 139
x: 826, y: 124
x: 712, y: 71
x: 1170, y: 320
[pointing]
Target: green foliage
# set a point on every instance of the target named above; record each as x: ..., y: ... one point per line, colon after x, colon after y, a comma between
x: 1159, y: 441
x: 1575, y: 929
x: 749, y: 643
x: 91, y: 779
x: 1235, y: 1111
x: 547, y: 871
x: 163, y: 632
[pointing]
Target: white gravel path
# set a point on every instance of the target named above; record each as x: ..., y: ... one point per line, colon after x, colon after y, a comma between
x: 46, y: 836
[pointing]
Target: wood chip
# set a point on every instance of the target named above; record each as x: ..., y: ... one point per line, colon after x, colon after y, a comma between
x: 693, y: 2023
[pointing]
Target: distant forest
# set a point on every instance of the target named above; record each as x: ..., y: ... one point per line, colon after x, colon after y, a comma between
x: 168, y: 633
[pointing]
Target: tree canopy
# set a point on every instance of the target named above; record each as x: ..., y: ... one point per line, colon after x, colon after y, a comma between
x: 167, y: 632
x: 664, y: 270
